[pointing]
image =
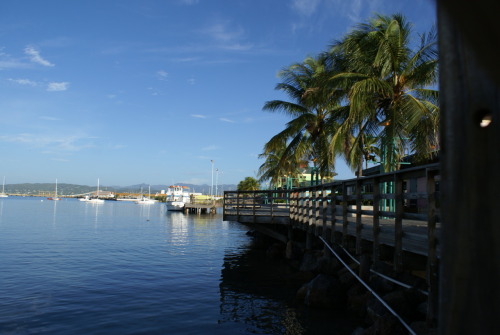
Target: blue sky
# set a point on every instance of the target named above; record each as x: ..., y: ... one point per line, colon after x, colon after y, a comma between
x: 151, y: 91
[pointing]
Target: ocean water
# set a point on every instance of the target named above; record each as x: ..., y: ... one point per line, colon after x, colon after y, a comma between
x: 70, y: 267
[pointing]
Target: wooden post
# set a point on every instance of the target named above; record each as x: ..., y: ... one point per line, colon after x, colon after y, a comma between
x: 269, y: 196
x: 376, y: 220
x: 398, y: 223
x: 359, y: 225
x: 238, y: 205
x: 309, y: 238
x: 324, y: 203
x: 470, y: 177
x: 253, y: 206
x: 344, y: 214
x: 333, y: 209
x: 364, y: 267
x: 432, y: 261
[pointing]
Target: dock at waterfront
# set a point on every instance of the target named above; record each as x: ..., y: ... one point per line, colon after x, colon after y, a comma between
x: 200, y: 208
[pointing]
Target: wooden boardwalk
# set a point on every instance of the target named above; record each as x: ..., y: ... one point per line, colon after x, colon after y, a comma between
x: 410, y: 221
x: 414, y: 239
x: 398, y: 210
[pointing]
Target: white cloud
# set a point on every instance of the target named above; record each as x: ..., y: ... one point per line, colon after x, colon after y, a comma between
x: 210, y: 148
x: 305, y: 7
x: 199, y: 116
x: 49, y: 118
x: 191, y: 81
x: 56, y: 87
x: 118, y: 146
x: 35, y: 56
x: 238, y: 47
x: 226, y: 120
x: 51, y: 144
x: 162, y: 75
x: 221, y: 32
x: 24, y: 82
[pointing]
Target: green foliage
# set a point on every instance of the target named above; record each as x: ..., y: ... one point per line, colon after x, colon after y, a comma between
x: 370, y: 97
x: 248, y: 184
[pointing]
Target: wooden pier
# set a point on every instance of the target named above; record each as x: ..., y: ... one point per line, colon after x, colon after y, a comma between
x: 394, y: 211
x: 200, y: 208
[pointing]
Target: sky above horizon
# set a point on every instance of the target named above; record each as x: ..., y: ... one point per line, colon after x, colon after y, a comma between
x: 153, y: 91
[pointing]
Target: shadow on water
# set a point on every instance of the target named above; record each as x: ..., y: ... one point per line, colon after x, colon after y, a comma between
x: 259, y: 291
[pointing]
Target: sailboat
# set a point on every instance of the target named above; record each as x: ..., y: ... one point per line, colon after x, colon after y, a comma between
x: 144, y: 200
x: 55, y: 195
x: 96, y: 200
x: 3, y: 195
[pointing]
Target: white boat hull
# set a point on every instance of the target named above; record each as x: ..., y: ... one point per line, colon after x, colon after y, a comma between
x: 175, y: 205
x: 145, y: 202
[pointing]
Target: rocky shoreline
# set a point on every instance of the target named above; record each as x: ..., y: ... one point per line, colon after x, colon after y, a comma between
x: 327, y: 285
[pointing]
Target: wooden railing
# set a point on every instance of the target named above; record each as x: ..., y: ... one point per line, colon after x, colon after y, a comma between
x: 399, y: 209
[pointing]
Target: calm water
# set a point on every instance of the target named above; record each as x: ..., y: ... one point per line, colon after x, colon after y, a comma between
x: 70, y: 267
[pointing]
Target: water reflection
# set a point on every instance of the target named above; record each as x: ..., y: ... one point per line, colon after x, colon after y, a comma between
x: 178, y: 234
x: 1, y: 211
x: 54, y: 213
x: 260, y: 292
x: 255, y: 292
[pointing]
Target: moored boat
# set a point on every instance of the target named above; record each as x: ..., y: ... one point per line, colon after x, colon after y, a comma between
x: 94, y: 200
x: 176, y: 197
x: 55, y: 197
x: 3, y: 195
x: 146, y: 201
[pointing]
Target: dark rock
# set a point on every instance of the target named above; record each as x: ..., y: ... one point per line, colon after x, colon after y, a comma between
x: 328, y: 265
x: 322, y: 292
x: 346, y: 277
x: 358, y: 331
x: 403, y: 302
x: 381, y: 285
x: 422, y: 308
x: 309, y: 262
x: 356, y: 304
x: 388, y: 325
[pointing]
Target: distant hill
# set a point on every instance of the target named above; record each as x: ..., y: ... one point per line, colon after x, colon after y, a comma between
x: 73, y: 189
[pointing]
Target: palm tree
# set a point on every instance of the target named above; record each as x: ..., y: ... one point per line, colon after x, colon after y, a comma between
x: 388, y: 90
x: 307, y: 135
x: 248, y: 184
x: 277, y: 167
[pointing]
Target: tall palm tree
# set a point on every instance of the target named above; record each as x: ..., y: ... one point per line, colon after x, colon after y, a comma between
x: 388, y: 88
x: 307, y: 135
x: 277, y: 167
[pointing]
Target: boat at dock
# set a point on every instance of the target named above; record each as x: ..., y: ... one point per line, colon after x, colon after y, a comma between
x: 176, y: 197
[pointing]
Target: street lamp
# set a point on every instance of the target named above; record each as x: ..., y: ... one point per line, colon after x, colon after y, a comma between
x: 212, y: 188
x: 216, y: 182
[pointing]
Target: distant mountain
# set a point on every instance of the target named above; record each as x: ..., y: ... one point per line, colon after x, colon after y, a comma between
x: 45, y: 189
x: 205, y: 189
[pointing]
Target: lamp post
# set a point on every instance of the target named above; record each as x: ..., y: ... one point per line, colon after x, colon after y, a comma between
x: 212, y: 187
x: 216, y: 182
